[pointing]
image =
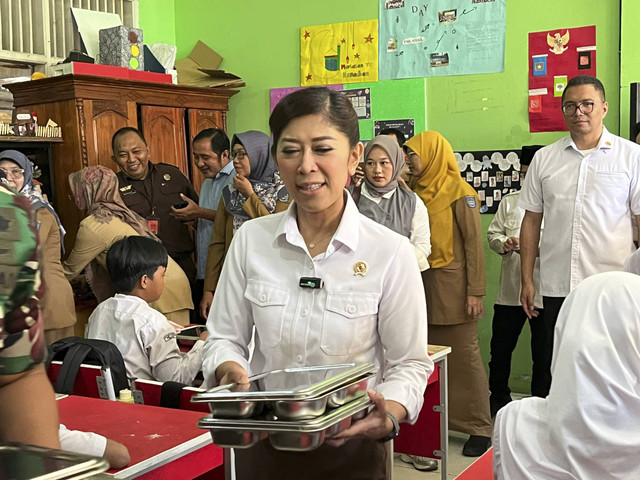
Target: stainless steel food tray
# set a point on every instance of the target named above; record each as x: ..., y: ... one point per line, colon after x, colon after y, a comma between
x: 293, y: 435
x: 292, y: 393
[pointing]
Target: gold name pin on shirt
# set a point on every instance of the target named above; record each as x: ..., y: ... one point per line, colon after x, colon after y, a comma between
x: 167, y: 177
x: 360, y: 268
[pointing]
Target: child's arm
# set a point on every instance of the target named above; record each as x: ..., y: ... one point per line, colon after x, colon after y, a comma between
x: 117, y: 454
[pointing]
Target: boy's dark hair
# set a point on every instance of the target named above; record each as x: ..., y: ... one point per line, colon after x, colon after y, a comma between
x: 121, y: 132
x: 586, y: 80
x: 218, y: 137
x: 132, y: 257
x: 396, y: 133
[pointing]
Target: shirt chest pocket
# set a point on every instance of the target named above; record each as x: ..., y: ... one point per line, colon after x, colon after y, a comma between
x: 350, y: 322
x: 268, y: 306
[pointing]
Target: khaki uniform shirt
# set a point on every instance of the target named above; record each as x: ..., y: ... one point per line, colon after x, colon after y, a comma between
x: 154, y: 196
x: 447, y: 287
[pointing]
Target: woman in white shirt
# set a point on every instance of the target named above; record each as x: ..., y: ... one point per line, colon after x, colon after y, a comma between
x: 381, y: 198
x: 369, y: 273
x: 589, y: 425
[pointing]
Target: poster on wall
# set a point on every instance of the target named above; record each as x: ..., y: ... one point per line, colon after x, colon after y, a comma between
x: 360, y: 98
x: 339, y: 53
x: 406, y: 126
x: 492, y: 174
x: 555, y: 57
x: 278, y: 94
x: 423, y: 38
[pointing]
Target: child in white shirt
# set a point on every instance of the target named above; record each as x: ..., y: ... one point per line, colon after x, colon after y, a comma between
x: 143, y: 335
x: 90, y: 443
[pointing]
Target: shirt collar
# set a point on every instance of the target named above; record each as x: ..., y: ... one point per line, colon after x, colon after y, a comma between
x: 605, y: 142
x: 365, y: 191
x: 347, y: 234
x: 226, y: 170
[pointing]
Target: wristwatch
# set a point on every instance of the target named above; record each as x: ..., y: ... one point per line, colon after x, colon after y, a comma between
x: 394, y: 432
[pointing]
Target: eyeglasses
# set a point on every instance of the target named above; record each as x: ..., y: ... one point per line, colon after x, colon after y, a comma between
x: 14, y: 172
x: 571, y: 108
x: 240, y: 154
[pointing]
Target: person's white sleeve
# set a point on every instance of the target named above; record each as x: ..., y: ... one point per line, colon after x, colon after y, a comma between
x: 165, y: 359
x: 497, y: 232
x: 420, y: 235
x: 632, y: 263
x: 402, y: 325
x: 88, y: 443
x: 531, y: 197
x: 230, y: 323
x: 634, y: 188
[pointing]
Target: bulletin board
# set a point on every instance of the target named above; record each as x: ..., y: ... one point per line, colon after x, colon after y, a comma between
x: 492, y: 173
x: 555, y: 57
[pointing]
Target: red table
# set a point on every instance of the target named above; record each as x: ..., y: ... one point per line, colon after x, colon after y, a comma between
x: 163, y: 443
x: 429, y: 436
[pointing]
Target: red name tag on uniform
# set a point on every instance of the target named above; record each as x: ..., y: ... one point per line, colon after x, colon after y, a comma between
x: 153, y: 225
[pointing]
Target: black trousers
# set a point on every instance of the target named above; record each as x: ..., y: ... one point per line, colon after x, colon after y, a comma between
x: 507, y: 325
x: 551, y: 309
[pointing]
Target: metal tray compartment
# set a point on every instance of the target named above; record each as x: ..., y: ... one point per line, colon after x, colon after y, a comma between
x: 293, y: 435
x: 292, y: 393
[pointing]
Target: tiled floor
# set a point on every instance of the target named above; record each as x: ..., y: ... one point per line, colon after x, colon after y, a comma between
x: 457, y: 462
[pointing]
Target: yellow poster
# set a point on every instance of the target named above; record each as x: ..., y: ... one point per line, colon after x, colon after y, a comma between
x: 339, y: 53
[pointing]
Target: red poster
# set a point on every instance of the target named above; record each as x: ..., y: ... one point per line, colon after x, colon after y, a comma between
x: 556, y: 56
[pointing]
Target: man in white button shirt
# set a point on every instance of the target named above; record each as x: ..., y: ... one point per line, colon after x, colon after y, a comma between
x: 587, y: 187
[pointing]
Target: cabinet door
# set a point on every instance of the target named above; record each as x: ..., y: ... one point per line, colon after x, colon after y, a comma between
x: 200, y: 120
x: 104, y: 118
x: 164, y: 129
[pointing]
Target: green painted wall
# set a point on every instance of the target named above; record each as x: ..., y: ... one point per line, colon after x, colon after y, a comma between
x: 260, y: 42
x: 629, y: 58
x: 157, y: 20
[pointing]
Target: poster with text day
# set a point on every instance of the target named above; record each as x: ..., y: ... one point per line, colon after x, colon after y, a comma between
x: 441, y: 37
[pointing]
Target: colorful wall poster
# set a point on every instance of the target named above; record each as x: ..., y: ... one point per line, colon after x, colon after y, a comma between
x: 492, y: 174
x: 361, y: 100
x: 339, y: 53
x: 278, y: 94
x: 423, y: 38
x: 555, y: 57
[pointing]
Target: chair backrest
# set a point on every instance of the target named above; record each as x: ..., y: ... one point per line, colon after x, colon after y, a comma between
x: 152, y: 394
x: 74, y: 351
x: 90, y: 381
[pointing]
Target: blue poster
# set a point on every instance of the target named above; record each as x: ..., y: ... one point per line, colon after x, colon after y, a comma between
x: 441, y: 37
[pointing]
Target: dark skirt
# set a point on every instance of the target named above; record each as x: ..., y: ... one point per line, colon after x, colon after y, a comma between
x: 357, y: 459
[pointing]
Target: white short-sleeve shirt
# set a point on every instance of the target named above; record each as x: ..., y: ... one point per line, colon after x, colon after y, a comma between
x: 587, y: 203
x: 378, y: 317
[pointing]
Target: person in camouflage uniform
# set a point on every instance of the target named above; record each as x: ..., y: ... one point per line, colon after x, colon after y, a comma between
x: 28, y: 412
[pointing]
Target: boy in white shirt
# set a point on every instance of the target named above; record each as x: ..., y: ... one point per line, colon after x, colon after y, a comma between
x: 90, y: 443
x: 143, y: 335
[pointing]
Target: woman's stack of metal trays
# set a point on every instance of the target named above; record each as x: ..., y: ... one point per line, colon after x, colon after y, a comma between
x: 296, y: 408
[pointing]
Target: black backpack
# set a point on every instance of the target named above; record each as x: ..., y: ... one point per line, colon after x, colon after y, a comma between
x: 72, y: 351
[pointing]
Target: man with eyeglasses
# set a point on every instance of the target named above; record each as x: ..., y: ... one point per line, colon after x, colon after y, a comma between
x: 587, y: 186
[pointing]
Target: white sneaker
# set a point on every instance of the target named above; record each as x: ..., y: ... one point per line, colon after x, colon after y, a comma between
x: 423, y: 464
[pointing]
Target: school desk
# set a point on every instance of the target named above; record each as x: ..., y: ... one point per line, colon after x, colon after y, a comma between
x: 163, y: 443
x: 429, y: 436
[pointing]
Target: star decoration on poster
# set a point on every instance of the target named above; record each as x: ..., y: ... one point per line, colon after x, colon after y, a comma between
x: 324, y: 57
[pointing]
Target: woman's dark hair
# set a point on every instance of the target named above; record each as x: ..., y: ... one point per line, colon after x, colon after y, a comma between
x: 333, y: 105
x: 132, y: 257
x: 217, y: 136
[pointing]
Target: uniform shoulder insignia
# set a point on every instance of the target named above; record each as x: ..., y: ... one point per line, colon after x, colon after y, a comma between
x: 471, y: 201
x: 169, y: 336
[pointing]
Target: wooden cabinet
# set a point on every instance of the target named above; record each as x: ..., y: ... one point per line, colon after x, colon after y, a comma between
x: 91, y: 109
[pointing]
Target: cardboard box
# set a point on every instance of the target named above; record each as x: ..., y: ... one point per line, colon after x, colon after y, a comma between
x: 122, y: 47
x: 200, y: 69
x: 81, y: 68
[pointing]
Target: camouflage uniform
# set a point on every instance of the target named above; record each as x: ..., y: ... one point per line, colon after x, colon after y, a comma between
x: 22, y: 344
